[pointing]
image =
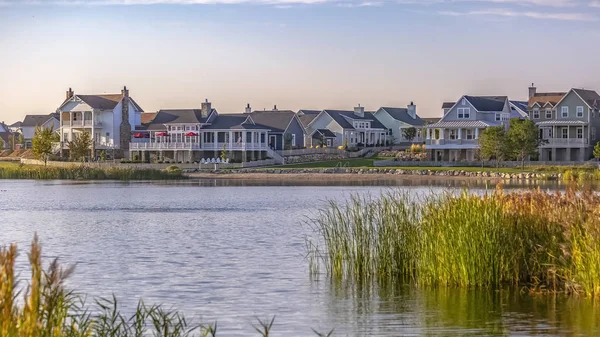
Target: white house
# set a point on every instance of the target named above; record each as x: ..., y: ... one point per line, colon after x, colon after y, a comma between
x: 109, y: 118
x: 30, y: 123
x: 396, y: 120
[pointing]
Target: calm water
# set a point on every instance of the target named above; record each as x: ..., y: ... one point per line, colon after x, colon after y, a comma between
x: 231, y: 252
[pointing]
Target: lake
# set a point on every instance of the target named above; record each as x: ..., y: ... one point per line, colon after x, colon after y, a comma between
x: 232, y: 251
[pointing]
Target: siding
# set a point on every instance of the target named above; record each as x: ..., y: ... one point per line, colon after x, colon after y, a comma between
x: 324, y: 121
x: 452, y: 114
x: 297, y: 129
x: 572, y: 101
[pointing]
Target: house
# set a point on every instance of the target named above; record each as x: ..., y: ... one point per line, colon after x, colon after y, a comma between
x: 5, y: 135
x: 353, y: 128
x: 190, y: 135
x: 31, y: 122
x: 568, y: 122
x: 285, y: 128
x: 397, y: 120
x: 455, y: 136
x: 108, y: 118
x: 16, y: 127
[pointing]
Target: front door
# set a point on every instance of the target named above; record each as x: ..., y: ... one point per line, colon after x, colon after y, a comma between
x: 329, y: 142
x: 272, y: 141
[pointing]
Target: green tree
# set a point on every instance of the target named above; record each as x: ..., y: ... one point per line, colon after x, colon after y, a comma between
x: 224, y: 153
x: 79, y: 147
x: 494, y: 144
x: 287, y: 139
x: 42, y: 142
x: 21, y: 139
x: 103, y: 155
x: 1, y: 144
x: 524, y: 139
x: 597, y: 151
x: 409, y: 133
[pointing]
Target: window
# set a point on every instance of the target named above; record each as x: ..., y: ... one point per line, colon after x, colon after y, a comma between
x: 579, y: 111
x: 536, y: 113
x: 469, y: 134
x: 548, y: 113
x: 593, y: 131
x: 464, y: 112
x: 580, y: 133
x: 187, y: 128
x: 453, y: 134
x: 179, y: 128
x: 107, y: 135
x: 565, y: 132
x: 564, y: 112
x: 293, y: 139
x: 502, y: 117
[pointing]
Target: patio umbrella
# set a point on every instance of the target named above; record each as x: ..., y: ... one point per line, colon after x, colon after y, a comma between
x: 138, y: 135
x: 162, y: 134
x: 191, y: 134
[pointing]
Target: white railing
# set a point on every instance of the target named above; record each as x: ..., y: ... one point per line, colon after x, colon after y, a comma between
x: 235, y: 146
x: 450, y: 141
x: 77, y: 124
x: 164, y: 146
x: 566, y: 141
x: 145, y: 145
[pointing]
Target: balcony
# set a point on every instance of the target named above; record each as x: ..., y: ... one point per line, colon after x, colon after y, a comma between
x: 452, y: 142
x: 554, y: 142
x: 140, y: 146
x: 82, y: 124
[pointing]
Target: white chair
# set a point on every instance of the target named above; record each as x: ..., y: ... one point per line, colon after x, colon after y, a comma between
x: 202, y: 161
x: 212, y: 161
x: 218, y: 160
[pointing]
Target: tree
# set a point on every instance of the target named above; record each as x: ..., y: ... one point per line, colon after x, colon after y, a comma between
x: 224, y: 153
x: 79, y: 147
x: 409, y: 133
x: 494, y: 144
x: 287, y: 138
x: 42, y: 142
x: 21, y: 139
x: 103, y: 155
x: 524, y: 139
x: 1, y: 144
x: 597, y: 151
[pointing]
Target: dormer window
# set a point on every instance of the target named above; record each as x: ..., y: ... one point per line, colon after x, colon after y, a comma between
x: 548, y: 113
x: 536, y: 113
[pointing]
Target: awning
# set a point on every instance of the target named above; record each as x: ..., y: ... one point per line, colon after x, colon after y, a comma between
x: 191, y: 134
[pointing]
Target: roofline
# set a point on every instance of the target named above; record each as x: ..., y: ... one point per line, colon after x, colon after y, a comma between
x: 455, y: 104
x: 522, y: 113
x: 314, y: 119
x: 290, y: 123
x: 567, y: 94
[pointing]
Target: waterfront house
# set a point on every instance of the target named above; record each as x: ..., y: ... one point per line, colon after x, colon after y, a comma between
x: 16, y: 126
x: 108, y: 118
x: 5, y: 135
x: 285, y: 128
x: 190, y: 135
x: 31, y: 122
x: 355, y: 128
x: 397, y: 120
x: 455, y: 136
x: 568, y: 123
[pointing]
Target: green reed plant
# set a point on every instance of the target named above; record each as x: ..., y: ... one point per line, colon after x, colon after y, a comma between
x: 548, y: 242
x: 86, y: 173
x: 49, y: 309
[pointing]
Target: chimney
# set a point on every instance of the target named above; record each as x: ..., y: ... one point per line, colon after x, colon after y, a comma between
x: 125, y: 92
x: 125, y: 128
x: 532, y: 90
x: 275, y: 107
x: 69, y: 94
x: 412, y: 110
x: 206, y: 108
x: 248, y: 109
x: 359, y: 111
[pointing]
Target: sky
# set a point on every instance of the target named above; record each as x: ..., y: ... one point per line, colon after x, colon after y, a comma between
x: 296, y: 54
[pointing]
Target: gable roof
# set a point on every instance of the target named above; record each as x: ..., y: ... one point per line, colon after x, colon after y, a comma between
x: 16, y: 124
x: 307, y: 116
x: 326, y: 133
x: 343, y: 117
x: 518, y: 109
x: 591, y: 97
x: 542, y: 98
x: 148, y: 117
x: 176, y: 116
x: 276, y: 120
x: 235, y: 122
x: 106, y: 101
x: 448, y: 105
x: 487, y: 103
x: 37, y: 120
x: 401, y: 114
x: 4, y: 127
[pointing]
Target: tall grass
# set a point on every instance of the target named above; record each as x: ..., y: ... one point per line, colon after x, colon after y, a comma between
x: 545, y: 241
x: 51, y: 310
x: 86, y: 173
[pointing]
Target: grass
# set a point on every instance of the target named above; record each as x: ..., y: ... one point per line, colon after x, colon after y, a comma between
x: 541, y: 241
x: 51, y: 310
x: 19, y: 171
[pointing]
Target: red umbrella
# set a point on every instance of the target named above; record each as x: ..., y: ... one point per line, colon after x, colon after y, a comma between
x: 162, y: 134
x: 191, y: 134
x: 138, y: 135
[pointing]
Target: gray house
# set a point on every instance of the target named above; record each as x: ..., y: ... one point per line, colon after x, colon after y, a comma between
x: 282, y: 125
x: 32, y: 121
x: 568, y: 123
x: 396, y: 120
x: 455, y: 136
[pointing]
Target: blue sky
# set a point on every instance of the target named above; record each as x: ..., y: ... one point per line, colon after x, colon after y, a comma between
x: 294, y: 53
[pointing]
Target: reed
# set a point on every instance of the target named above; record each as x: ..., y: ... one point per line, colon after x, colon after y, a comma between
x: 49, y: 309
x: 86, y: 173
x: 544, y: 241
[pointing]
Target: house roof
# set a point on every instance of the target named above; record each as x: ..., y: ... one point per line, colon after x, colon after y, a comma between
x: 16, y: 124
x: 5, y: 136
x: 591, y: 97
x: 448, y: 105
x: 545, y: 97
x: 325, y: 133
x: 106, y: 101
x: 462, y: 124
x: 277, y: 120
x: 401, y: 114
x: 487, y: 103
x: 234, y: 122
x: 307, y: 116
x: 308, y: 112
x: 148, y: 117
x: 4, y: 127
x: 36, y: 120
x: 343, y: 117
x: 176, y: 116
x: 560, y: 122
x: 431, y: 120
x: 518, y: 109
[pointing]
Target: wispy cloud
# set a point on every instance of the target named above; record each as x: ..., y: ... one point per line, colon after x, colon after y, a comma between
x: 595, y: 4
x: 360, y: 4
x: 527, y: 14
